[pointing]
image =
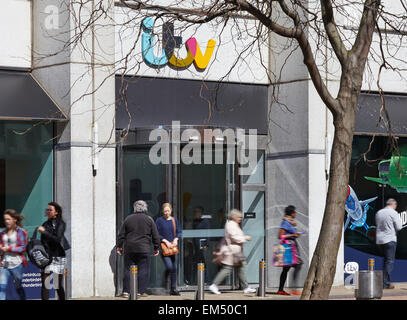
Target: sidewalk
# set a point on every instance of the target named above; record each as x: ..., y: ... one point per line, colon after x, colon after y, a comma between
x: 337, y: 293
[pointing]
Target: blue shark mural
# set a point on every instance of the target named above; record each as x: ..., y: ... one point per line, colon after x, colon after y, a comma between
x: 356, y: 210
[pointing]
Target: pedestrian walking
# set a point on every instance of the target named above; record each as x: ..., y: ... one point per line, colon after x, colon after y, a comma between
x: 55, y: 243
x: 231, y: 253
x: 170, y: 233
x: 388, y: 223
x: 134, y: 241
x: 288, y: 233
x: 13, y: 242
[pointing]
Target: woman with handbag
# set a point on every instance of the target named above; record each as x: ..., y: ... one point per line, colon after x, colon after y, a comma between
x: 288, y: 232
x: 55, y: 243
x: 231, y: 255
x: 13, y: 242
x: 170, y: 232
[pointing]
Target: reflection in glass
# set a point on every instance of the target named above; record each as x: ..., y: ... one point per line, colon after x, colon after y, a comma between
x: 26, y: 170
x: 145, y: 181
x: 257, y: 176
x: 360, y: 239
x: 203, y: 202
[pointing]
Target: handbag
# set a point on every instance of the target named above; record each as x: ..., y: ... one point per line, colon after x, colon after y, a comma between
x: 169, y: 251
x: 285, y: 254
x: 219, y: 253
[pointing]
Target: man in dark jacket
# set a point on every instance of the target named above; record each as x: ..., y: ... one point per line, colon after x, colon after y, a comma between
x: 134, y: 241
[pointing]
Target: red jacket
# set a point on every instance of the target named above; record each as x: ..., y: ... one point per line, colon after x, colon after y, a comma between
x: 21, y: 244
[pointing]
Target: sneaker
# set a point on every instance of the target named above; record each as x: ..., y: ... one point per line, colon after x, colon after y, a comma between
x: 174, y: 293
x: 249, y: 290
x: 390, y: 286
x: 124, y: 295
x: 296, y: 293
x: 283, y: 293
x: 214, y: 289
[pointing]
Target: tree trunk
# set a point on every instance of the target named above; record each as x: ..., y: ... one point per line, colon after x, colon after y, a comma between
x: 323, y: 265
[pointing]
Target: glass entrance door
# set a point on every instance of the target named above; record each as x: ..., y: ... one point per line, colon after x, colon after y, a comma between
x: 205, y: 196
x: 141, y: 180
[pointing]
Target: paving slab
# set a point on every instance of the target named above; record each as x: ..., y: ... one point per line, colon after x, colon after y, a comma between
x: 337, y: 293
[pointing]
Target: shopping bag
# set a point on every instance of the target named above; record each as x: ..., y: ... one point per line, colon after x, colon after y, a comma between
x: 285, y: 254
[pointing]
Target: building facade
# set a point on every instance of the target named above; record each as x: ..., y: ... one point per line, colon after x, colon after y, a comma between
x: 111, y: 119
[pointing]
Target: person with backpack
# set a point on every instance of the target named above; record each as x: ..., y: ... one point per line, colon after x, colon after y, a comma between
x: 55, y: 243
x: 13, y: 241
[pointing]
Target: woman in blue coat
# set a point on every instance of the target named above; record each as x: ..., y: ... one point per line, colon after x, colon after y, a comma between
x: 166, y: 226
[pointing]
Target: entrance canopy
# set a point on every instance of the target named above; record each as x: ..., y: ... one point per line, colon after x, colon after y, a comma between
x: 145, y: 102
x: 21, y: 98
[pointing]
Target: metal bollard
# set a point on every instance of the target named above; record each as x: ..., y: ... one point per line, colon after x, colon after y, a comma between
x: 65, y: 282
x: 133, y: 282
x: 261, y: 290
x: 369, y: 283
x: 201, y: 281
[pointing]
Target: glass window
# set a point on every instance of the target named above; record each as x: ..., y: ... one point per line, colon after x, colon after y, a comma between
x: 145, y: 181
x: 257, y: 176
x: 253, y: 225
x: 26, y: 170
x: 367, y: 183
x: 203, y: 209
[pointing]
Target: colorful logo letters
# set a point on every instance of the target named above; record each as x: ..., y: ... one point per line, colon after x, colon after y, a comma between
x: 170, y: 42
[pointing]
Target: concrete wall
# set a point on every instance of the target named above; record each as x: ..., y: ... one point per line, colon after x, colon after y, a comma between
x: 301, y: 133
x: 287, y: 156
x: 78, y: 79
x: 15, y: 33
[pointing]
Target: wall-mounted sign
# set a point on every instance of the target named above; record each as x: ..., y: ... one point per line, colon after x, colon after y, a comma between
x: 170, y: 42
x: 351, y: 267
x: 250, y: 215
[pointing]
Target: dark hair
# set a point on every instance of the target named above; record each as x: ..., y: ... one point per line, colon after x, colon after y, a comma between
x: 289, y: 210
x: 58, y: 209
x: 15, y: 215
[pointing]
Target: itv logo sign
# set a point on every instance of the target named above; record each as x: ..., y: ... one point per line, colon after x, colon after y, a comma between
x: 170, y: 42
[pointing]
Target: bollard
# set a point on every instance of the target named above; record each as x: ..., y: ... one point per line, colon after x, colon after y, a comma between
x: 369, y: 283
x: 261, y: 290
x: 65, y: 283
x: 201, y: 281
x: 133, y: 282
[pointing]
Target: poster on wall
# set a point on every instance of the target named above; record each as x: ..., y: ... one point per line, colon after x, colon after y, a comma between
x: 371, y: 183
x: 31, y: 283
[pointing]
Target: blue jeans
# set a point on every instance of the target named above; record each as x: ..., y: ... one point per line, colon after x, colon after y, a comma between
x: 389, y: 253
x: 142, y: 260
x: 171, y: 263
x: 17, y: 274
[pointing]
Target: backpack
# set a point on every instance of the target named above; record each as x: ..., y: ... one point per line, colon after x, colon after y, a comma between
x: 36, y: 252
